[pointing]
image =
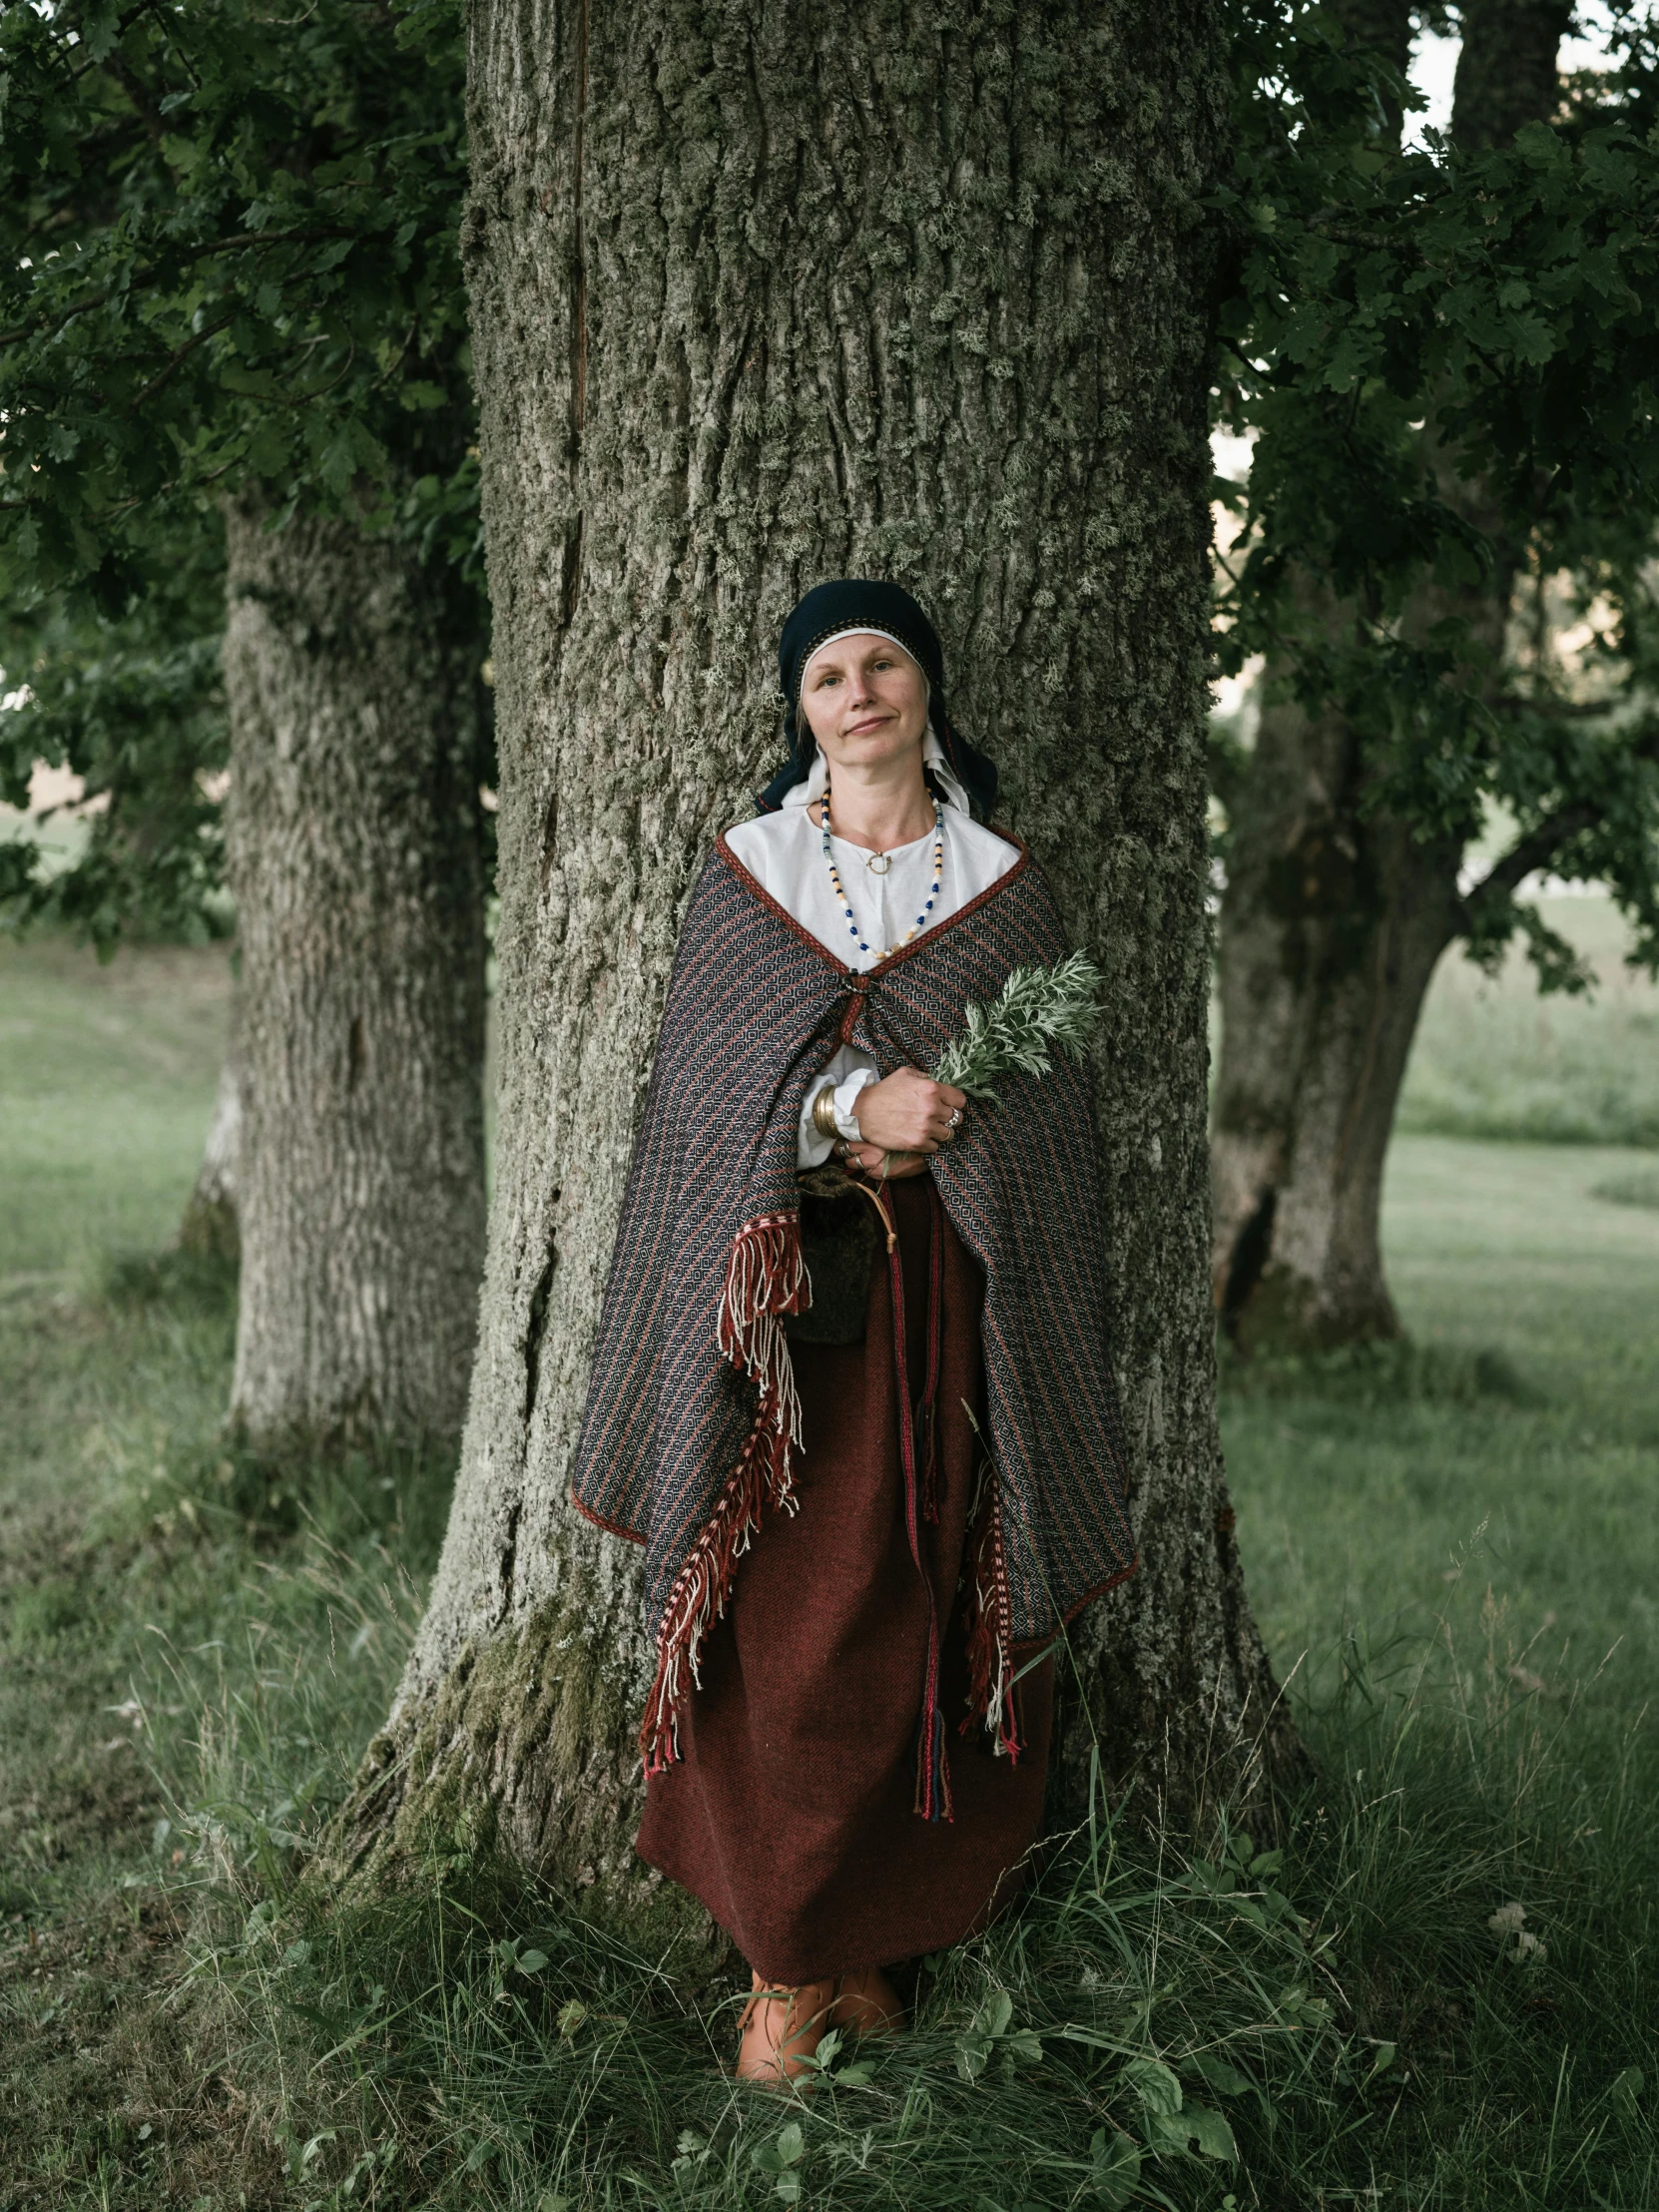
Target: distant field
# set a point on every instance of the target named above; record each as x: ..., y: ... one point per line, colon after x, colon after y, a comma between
x: 1403, y: 1516
x: 1497, y: 1059
x: 107, y: 1077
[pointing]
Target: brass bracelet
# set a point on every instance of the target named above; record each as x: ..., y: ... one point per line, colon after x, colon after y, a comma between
x: 823, y: 1112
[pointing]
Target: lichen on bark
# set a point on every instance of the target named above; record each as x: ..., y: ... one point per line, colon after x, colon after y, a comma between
x: 762, y: 296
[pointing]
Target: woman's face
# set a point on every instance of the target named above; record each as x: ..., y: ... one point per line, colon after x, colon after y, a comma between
x: 865, y: 702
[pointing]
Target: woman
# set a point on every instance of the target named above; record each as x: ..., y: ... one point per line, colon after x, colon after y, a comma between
x: 851, y: 1389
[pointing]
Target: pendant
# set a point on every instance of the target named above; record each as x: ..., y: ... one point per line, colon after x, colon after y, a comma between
x: 880, y: 862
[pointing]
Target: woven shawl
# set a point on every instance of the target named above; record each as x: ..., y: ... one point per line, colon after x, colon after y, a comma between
x: 692, y: 1417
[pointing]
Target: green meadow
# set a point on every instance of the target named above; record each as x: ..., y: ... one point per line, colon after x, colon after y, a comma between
x: 1433, y: 1989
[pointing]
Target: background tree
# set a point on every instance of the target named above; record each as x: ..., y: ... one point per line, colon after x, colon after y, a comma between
x: 760, y: 296
x: 231, y: 292
x: 134, y: 706
x: 1449, y: 359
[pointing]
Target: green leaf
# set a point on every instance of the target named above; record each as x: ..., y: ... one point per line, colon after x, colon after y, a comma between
x: 531, y: 1962
x: 1210, y: 2131
x: 1157, y: 2088
x: 268, y: 450
x: 995, y: 2014
x: 1627, y: 2087
x: 972, y: 2055
x: 1225, y: 2079
x: 1117, y: 2167
x: 1537, y: 144
x: 1175, y: 2132
x: 780, y: 2153
x: 338, y: 462
x: 1211, y: 1881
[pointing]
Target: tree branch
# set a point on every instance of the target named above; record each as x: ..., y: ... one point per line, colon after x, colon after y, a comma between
x: 1539, y: 846
x: 1557, y: 709
x: 45, y: 327
x: 201, y: 339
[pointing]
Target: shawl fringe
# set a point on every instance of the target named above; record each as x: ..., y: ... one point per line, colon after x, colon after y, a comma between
x: 766, y: 1277
x: 991, y: 1649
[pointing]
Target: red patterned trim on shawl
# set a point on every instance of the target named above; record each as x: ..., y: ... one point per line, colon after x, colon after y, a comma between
x: 1111, y: 1582
x: 991, y: 1650
x: 611, y: 1527
x: 926, y: 941
x: 766, y: 1277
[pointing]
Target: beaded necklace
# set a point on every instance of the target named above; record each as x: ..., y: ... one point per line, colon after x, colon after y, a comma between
x: 845, y: 902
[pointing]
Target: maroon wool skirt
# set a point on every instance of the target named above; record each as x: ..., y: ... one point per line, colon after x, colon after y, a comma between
x: 791, y: 1812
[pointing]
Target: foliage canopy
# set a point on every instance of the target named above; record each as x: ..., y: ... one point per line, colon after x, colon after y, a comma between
x: 228, y: 259
x: 228, y: 263
x: 1404, y: 318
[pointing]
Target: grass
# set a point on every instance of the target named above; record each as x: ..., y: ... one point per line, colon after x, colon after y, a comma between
x: 1497, y: 1059
x: 108, y: 1087
x: 1435, y: 1994
x: 1542, y: 1484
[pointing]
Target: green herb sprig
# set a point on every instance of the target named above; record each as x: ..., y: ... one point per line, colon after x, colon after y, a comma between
x: 1037, y: 1010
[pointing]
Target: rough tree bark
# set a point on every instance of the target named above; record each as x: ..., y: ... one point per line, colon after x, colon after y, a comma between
x: 764, y: 294
x: 1336, y: 915
x: 355, y: 861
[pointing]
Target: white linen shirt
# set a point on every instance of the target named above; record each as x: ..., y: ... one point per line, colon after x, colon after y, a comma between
x: 785, y: 854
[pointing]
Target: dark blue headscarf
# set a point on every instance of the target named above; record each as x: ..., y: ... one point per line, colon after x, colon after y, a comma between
x: 858, y: 604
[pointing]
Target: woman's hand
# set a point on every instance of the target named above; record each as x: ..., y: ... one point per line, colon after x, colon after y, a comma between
x: 907, y: 1116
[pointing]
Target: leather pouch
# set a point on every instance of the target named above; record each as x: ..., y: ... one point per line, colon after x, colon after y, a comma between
x: 841, y: 1235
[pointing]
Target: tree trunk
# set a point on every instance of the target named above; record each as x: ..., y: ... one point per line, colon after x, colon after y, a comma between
x: 761, y: 296
x: 1332, y: 925
x: 1334, y: 917
x: 1508, y: 68
x: 209, y: 1225
x: 354, y: 860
